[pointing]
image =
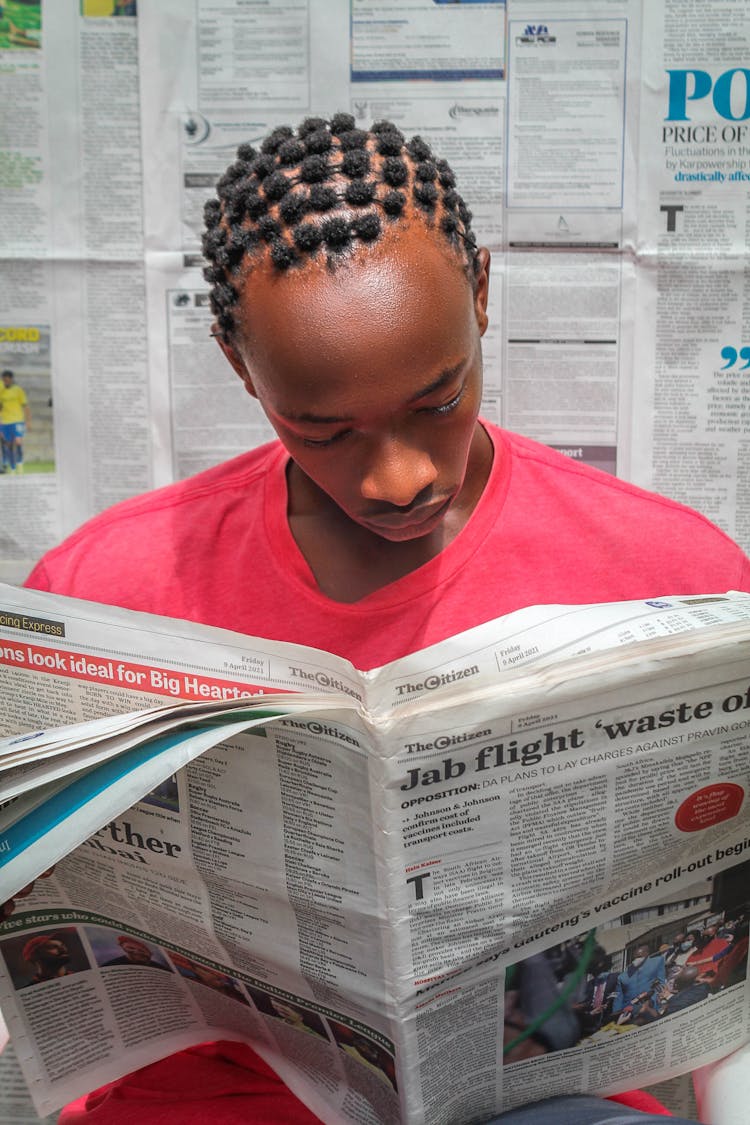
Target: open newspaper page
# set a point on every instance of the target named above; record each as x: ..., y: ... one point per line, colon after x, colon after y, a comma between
x: 246, y: 881
x: 368, y: 893
x: 568, y: 860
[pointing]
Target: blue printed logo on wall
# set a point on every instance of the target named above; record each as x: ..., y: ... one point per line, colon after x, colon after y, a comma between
x: 730, y: 354
x: 730, y: 93
x: 537, y: 34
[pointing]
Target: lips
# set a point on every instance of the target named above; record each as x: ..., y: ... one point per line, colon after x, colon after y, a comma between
x: 412, y: 519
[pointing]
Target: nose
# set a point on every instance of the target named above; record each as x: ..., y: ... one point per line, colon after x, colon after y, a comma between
x: 397, y: 472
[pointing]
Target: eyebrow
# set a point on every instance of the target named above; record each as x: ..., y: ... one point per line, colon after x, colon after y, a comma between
x: 442, y: 380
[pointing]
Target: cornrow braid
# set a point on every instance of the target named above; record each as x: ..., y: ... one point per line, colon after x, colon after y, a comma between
x: 314, y: 192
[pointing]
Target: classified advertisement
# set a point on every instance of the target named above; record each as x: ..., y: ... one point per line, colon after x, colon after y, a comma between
x: 212, y: 417
x: 569, y: 192
x: 427, y: 39
x: 511, y: 865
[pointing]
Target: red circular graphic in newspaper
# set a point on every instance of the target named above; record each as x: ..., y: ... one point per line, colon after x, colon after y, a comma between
x: 709, y: 806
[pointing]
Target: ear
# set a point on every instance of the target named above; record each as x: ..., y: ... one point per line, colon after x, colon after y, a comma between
x: 482, y: 289
x: 237, y: 363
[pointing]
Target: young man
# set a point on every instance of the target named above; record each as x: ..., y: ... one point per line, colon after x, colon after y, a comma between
x: 350, y: 297
x: 638, y: 983
x: 134, y: 952
x: 48, y: 956
x: 15, y: 418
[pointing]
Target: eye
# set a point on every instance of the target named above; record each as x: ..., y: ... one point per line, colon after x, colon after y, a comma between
x: 323, y: 443
x: 445, y: 407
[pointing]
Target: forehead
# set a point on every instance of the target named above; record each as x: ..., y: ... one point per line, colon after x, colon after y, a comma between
x: 405, y: 301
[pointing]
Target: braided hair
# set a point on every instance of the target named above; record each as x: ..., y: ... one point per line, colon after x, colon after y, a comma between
x: 315, y: 192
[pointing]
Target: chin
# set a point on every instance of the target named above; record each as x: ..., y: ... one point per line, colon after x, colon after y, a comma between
x: 404, y: 535
x: 407, y: 532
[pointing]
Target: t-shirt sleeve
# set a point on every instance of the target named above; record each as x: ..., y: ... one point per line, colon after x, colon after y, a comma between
x: 38, y: 579
x: 744, y: 582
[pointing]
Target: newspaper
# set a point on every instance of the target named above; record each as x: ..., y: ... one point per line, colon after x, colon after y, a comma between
x: 537, y: 825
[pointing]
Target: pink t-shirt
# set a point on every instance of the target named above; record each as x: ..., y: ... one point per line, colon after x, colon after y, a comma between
x: 217, y: 549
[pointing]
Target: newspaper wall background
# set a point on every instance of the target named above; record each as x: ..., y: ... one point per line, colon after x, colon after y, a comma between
x: 605, y: 152
x: 610, y: 186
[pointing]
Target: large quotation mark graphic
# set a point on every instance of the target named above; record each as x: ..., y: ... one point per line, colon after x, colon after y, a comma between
x: 730, y: 355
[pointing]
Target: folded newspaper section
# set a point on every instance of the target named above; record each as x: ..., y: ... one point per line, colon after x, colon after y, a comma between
x: 510, y: 865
